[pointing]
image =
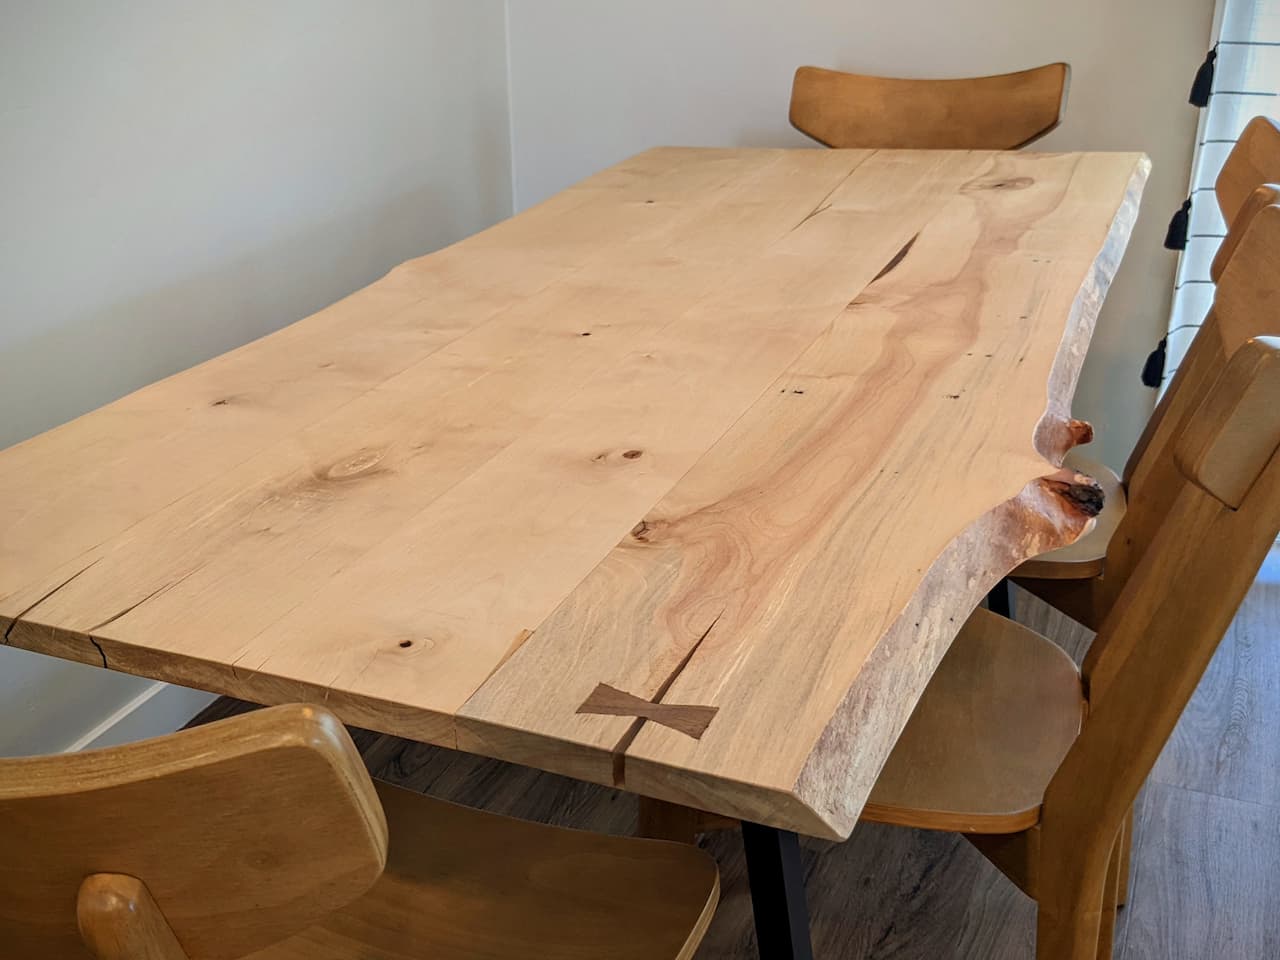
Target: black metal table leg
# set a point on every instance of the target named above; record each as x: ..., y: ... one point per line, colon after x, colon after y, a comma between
x: 777, y: 892
x: 1000, y: 599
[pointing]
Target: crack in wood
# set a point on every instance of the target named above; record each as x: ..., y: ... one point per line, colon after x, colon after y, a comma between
x: 633, y: 731
x: 896, y: 259
x: 825, y: 203
x: 822, y: 206
x: 22, y: 613
x: 163, y: 588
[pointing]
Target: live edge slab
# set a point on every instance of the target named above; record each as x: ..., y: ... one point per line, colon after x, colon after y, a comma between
x: 683, y: 480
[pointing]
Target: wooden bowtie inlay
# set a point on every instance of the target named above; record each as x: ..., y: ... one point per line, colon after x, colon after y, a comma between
x: 686, y: 718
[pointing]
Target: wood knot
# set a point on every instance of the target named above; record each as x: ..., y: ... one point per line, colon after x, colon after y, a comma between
x: 1000, y: 183
x: 1081, y: 492
x: 1080, y: 431
x: 361, y: 464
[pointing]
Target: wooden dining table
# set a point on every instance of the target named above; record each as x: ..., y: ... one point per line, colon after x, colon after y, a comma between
x: 681, y: 481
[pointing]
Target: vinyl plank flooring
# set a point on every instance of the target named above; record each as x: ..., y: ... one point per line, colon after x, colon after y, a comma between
x: 1033, y: 612
x: 1228, y: 740
x: 1206, y: 882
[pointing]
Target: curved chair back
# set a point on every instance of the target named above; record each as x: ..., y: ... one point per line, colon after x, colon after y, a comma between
x: 1247, y: 187
x: 1253, y: 160
x: 1195, y: 564
x: 980, y: 113
x: 1153, y: 481
x: 241, y: 833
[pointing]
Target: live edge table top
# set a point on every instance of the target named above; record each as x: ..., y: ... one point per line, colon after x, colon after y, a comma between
x: 683, y: 480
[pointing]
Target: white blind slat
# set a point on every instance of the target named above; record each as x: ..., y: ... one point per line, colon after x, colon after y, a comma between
x: 1246, y: 83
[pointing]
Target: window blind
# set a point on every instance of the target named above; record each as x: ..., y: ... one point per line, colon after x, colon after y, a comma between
x: 1246, y: 83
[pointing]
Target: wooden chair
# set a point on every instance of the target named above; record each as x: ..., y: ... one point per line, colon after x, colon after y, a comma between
x: 263, y: 836
x: 1039, y: 765
x: 1064, y: 578
x: 1069, y: 578
x: 979, y: 113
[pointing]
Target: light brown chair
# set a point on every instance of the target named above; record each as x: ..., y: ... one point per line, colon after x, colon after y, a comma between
x: 1070, y: 579
x: 262, y: 836
x: 1066, y: 578
x: 1039, y: 765
x: 979, y: 113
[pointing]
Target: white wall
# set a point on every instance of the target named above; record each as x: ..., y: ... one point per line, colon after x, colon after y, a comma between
x: 177, y: 178
x: 595, y: 82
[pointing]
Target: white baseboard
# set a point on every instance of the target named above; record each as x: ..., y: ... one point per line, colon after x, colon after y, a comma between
x: 160, y: 708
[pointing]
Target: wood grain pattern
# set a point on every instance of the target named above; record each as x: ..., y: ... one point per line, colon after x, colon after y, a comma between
x: 829, y: 459
x: 699, y: 394
x: 975, y: 113
x: 220, y: 589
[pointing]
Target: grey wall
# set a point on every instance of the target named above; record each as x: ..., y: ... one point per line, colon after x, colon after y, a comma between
x: 177, y: 178
x: 595, y: 82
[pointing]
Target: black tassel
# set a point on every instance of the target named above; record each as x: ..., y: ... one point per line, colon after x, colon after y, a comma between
x: 1203, y: 84
x: 1153, y: 369
x: 1175, y: 237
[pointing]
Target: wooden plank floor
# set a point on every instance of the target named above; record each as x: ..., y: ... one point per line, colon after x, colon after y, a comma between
x: 1207, y: 865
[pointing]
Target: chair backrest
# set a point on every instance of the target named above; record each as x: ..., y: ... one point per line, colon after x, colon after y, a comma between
x: 1199, y: 561
x: 1244, y: 186
x: 1245, y: 264
x: 980, y: 113
x: 243, y: 832
x: 1254, y: 159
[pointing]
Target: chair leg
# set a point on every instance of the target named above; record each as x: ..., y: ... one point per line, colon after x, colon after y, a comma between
x: 1074, y: 896
x: 1126, y: 858
x: 1110, y: 901
x: 1000, y: 599
x: 660, y: 820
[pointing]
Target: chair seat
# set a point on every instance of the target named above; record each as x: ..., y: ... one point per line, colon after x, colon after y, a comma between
x: 1085, y: 558
x: 992, y: 727
x: 463, y: 883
